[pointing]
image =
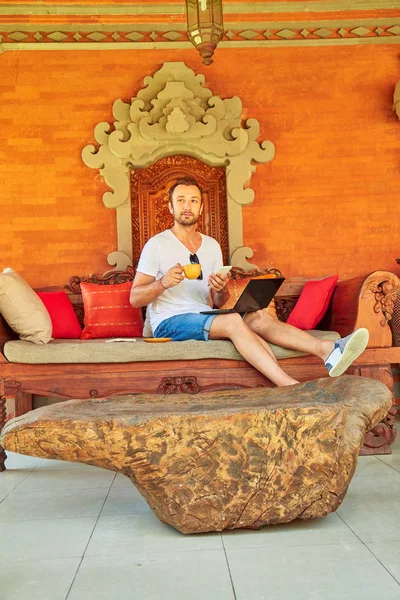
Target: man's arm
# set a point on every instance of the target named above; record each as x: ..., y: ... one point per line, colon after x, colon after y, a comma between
x: 219, y: 288
x: 145, y: 288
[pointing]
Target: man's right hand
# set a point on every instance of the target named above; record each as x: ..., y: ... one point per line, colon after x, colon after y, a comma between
x: 172, y: 277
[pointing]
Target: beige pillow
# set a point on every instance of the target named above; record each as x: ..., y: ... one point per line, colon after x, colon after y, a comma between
x: 23, y: 309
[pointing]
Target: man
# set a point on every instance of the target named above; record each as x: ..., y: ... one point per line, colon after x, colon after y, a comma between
x: 174, y: 302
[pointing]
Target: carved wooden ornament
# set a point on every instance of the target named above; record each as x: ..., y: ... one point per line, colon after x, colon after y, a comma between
x: 396, y: 99
x: 175, y: 114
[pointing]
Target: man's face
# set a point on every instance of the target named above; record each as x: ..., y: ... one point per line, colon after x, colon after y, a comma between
x: 186, y: 204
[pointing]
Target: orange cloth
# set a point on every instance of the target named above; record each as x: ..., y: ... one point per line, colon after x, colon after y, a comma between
x: 236, y: 287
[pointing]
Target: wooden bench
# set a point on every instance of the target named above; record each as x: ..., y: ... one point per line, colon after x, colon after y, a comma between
x: 359, y: 302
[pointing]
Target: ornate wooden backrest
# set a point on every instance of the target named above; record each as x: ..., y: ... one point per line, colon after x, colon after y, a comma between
x: 73, y: 288
x: 149, y: 200
x: 358, y: 302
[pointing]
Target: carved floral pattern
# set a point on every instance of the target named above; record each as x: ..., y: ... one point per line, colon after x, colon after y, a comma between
x: 175, y: 114
x: 112, y: 277
x: 284, y: 307
x: 189, y: 385
x: 178, y: 385
x: 239, y: 273
x: 385, y: 295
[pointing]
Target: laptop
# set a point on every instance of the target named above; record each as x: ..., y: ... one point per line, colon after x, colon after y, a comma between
x: 257, y: 294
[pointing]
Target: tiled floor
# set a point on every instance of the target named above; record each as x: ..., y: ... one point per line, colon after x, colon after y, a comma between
x: 77, y: 532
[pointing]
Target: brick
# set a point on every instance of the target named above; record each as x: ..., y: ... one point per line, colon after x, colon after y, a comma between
x: 327, y: 203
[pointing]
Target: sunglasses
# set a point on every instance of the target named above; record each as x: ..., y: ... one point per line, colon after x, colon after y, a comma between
x: 194, y: 260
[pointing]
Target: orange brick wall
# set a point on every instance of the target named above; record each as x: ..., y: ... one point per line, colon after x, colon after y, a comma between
x: 328, y: 203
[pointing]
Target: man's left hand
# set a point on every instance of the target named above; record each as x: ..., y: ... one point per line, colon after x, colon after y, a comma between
x: 218, y: 283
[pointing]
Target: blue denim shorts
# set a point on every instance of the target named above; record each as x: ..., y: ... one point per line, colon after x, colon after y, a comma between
x: 189, y: 326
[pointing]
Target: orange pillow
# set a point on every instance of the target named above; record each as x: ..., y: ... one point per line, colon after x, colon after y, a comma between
x: 236, y: 287
x: 108, y: 312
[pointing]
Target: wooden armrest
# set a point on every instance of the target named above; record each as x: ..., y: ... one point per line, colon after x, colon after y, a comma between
x: 365, y: 302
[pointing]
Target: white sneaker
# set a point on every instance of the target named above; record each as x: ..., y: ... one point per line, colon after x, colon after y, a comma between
x: 345, y: 351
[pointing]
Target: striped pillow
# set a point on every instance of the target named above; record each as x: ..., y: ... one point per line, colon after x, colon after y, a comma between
x: 108, y: 312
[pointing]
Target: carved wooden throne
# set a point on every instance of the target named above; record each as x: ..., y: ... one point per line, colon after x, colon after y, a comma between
x: 149, y: 200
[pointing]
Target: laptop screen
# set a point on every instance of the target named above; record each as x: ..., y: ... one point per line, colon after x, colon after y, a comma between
x: 258, y: 294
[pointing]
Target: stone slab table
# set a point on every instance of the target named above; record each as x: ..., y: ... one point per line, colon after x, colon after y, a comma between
x: 218, y: 460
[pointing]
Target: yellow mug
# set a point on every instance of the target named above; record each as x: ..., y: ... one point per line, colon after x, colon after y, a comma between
x: 192, y: 271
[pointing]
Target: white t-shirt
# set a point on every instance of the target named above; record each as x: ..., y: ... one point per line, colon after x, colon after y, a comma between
x: 161, y: 253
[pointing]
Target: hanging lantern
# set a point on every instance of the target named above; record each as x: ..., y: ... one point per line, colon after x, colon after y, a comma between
x: 205, y: 26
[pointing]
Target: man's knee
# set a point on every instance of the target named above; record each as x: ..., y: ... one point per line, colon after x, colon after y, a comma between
x: 257, y: 318
x: 226, y: 325
x: 232, y: 321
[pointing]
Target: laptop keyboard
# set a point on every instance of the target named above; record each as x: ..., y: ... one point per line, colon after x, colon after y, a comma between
x: 221, y: 311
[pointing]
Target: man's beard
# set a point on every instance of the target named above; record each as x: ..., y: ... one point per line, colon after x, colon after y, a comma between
x: 185, y: 221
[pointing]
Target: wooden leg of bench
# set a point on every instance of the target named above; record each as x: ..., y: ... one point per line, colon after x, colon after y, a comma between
x: 382, y: 436
x: 23, y: 403
x: 2, y: 423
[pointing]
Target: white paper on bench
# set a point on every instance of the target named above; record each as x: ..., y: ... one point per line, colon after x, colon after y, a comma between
x: 121, y: 340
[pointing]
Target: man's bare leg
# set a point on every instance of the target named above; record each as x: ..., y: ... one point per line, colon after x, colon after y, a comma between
x: 250, y: 346
x: 275, y: 331
x: 266, y: 346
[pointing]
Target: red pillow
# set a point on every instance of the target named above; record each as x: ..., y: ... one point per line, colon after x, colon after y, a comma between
x: 313, y: 303
x: 108, y: 312
x: 63, y: 318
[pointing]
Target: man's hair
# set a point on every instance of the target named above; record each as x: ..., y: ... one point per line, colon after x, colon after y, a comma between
x: 184, y: 181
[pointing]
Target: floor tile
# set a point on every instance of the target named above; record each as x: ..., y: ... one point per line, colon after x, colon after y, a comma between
x: 122, y: 481
x: 50, y: 504
x: 369, y: 466
x: 37, y: 579
x: 61, y: 479
x: 345, y: 571
x: 396, y: 444
x: 47, y: 464
x: 327, y: 530
x: 35, y: 540
x: 392, y: 460
x: 181, y: 576
x: 125, y: 501
x: 389, y: 555
x: 373, y: 521
x: 145, y: 536
x: 10, y: 479
x: 379, y: 488
x: 21, y: 461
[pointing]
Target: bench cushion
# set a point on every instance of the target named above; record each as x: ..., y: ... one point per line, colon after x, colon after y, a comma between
x: 102, y: 351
